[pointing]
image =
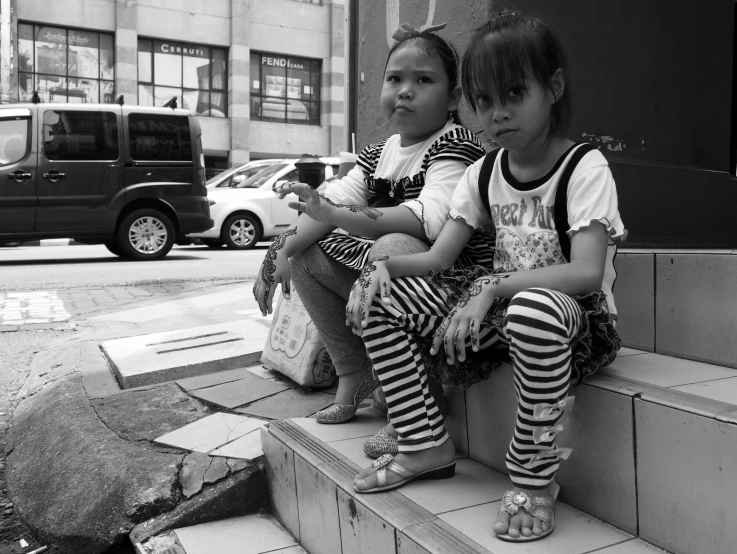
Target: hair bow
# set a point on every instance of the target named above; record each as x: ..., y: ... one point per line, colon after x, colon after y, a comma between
x: 406, y: 30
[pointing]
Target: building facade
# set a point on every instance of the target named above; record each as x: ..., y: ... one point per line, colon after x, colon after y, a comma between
x: 267, y: 78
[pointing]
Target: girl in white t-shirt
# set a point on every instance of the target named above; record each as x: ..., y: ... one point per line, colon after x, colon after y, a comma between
x: 399, y: 193
x: 546, y: 298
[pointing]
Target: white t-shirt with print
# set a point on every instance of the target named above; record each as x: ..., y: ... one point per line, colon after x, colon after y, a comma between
x: 522, y: 214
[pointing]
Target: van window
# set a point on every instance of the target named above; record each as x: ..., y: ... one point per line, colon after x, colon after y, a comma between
x: 70, y: 135
x: 159, y: 137
x: 14, y: 139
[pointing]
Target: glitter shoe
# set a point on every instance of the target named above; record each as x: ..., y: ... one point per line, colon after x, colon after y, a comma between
x: 340, y: 413
x: 381, y: 443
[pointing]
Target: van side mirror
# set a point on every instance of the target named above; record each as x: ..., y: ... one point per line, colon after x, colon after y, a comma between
x: 278, y: 184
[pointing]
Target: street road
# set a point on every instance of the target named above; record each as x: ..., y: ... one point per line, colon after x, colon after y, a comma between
x: 33, y: 268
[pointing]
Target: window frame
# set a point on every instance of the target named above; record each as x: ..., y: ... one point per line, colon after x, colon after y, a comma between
x: 317, y: 94
x: 35, y: 74
x: 182, y: 89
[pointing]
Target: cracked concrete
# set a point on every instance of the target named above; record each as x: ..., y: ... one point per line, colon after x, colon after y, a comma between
x: 83, y: 473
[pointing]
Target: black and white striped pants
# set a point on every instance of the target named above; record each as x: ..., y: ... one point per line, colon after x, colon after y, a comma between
x: 540, y: 328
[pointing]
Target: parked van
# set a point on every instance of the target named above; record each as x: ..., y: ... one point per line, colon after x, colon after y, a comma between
x: 130, y: 177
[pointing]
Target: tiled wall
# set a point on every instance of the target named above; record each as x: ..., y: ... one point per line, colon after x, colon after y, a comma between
x: 679, y: 303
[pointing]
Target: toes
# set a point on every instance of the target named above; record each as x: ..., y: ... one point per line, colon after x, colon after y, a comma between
x: 514, y: 526
x: 537, y: 527
x: 365, y: 480
x: 526, y: 523
x: 501, y: 525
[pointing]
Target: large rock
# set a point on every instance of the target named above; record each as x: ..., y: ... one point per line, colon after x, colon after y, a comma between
x: 75, y: 482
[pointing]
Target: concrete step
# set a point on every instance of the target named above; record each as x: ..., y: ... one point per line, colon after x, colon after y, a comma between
x: 655, y: 463
x: 253, y: 534
x: 679, y: 303
x: 310, y: 479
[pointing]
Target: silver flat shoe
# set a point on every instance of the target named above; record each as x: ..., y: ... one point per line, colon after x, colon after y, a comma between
x: 340, y: 413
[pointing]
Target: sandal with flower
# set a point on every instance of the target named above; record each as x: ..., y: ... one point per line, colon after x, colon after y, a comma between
x: 381, y: 443
x: 387, y: 463
x: 513, y: 502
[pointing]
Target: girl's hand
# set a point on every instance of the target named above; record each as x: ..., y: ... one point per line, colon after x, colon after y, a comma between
x: 374, y: 277
x: 464, y: 320
x: 311, y: 202
x: 274, y: 269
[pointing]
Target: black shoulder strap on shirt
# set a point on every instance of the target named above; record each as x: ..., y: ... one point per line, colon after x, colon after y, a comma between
x: 485, y: 177
x: 561, y: 200
x: 561, y: 194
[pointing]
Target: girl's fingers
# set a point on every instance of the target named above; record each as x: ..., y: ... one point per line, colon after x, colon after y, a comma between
x: 385, y: 290
x: 459, y: 341
x: 286, y: 289
x: 475, y: 336
x: 270, y: 298
x: 438, y: 336
x: 449, y: 342
x: 300, y: 206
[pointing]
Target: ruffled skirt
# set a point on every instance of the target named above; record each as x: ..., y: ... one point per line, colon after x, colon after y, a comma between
x: 595, y: 347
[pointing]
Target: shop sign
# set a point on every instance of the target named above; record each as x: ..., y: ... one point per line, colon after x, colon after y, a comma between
x: 175, y: 48
x: 75, y: 38
x: 290, y: 63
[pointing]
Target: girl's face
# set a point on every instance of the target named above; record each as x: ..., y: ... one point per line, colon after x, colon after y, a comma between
x: 414, y: 97
x: 522, y: 122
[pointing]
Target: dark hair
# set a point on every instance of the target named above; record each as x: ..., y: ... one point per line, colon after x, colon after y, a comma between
x: 507, y: 49
x: 432, y: 44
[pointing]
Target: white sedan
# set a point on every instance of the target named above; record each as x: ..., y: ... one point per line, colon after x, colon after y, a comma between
x: 251, y: 211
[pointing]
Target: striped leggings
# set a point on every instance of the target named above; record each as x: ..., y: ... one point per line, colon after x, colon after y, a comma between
x: 540, y: 328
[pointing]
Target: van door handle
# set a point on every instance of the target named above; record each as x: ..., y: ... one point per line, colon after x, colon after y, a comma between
x: 19, y: 176
x: 54, y: 176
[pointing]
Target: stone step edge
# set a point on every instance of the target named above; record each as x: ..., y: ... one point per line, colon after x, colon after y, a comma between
x: 679, y: 400
x: 409, y: 520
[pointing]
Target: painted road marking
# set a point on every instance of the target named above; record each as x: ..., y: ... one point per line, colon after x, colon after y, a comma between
x: 24, y: 308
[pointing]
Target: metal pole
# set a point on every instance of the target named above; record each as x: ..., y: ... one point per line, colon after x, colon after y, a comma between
x: 5, y: 51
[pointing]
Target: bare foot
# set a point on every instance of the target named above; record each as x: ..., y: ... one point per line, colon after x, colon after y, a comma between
x: 522, y: 523
x: 416, y: 462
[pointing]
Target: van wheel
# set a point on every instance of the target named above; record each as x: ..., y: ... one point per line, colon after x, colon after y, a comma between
x: 114, y: 248
x: 241, y: 232
x: 146, y: 234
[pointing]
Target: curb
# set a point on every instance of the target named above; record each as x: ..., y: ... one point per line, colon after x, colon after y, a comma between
x: 51, y: 242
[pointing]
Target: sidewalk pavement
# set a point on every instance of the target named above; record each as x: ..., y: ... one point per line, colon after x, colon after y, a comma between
x: 112, y: 450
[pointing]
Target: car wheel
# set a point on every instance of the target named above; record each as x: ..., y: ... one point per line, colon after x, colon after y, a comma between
x: 114, y: 248
x: 212, y: 243
x: 146, y: 234
x: 241, y: 232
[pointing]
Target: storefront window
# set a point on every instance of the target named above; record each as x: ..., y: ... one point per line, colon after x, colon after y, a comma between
x: 285, y: 89
x: 65, y: 65
x: 195, y: 74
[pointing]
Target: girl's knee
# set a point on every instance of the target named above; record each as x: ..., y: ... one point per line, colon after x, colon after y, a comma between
x: 397, y: 244
x: 529, y: 299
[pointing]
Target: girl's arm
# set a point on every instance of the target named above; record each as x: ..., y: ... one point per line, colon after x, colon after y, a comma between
x: 422, y: 218
x: 584, y: 274
x: 274, y: 270
x: 444, y: 252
